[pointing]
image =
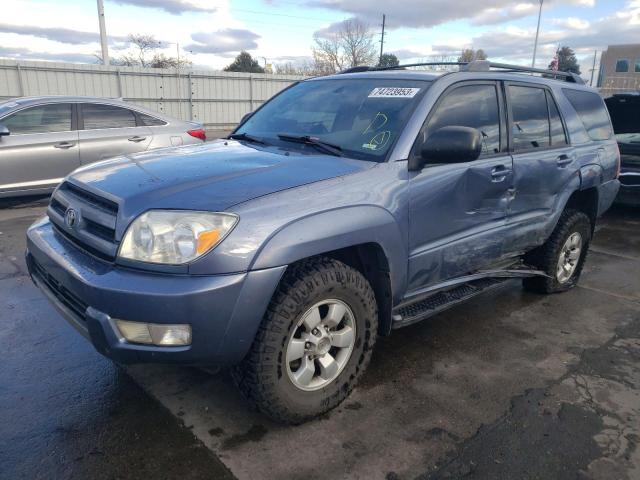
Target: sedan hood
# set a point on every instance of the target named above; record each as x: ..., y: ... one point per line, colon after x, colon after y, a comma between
x: 214, y: 176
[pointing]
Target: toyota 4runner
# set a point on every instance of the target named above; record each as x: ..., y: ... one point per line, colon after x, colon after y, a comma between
x: 345, y: 207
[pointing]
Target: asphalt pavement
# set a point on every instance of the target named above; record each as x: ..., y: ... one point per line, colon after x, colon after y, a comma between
x: 510, y: 385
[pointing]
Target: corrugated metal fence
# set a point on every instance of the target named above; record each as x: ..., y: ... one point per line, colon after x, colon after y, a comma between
x: 217, y: 99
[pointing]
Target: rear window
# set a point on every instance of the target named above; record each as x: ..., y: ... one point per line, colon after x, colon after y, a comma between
x: 592, y: 112
x: 98, y: 116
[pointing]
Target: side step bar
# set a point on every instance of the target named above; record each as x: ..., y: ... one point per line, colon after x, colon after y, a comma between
x: 437, y: 298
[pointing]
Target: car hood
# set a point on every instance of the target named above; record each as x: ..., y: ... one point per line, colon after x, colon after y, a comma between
x: 214, y: 176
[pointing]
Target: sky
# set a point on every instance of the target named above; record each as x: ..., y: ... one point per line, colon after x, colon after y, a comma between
x: 211, y: 32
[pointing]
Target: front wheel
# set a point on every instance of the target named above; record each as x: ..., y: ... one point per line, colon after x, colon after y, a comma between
x: 562, y: 256
x: 313, y: 344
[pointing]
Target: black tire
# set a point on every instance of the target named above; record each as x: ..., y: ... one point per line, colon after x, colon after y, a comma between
x: 546, y: 256
x: 263, y: 378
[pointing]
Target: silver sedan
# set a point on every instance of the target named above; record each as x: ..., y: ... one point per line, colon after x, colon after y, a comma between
x: 42, y: 139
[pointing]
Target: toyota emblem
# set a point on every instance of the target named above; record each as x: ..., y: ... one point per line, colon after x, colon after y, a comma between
x: 71, y: 217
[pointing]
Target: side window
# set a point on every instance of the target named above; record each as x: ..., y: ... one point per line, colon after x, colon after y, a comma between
x: 149, y: 121
x: 530, y: 117
x: 622, y: 65
x: 55, y: 117
x: 592, y: 112
x: 637, y: 66
x: 106, y: 116
x: 558, y: 135
x: 473, y: 106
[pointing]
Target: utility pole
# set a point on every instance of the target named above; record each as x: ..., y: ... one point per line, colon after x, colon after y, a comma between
x: 384, y: 17
x: 593, y: 69
x: 103, y: 34
x: 535, y: 45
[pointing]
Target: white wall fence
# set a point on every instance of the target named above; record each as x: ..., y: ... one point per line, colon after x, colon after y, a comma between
x: 217, y: 99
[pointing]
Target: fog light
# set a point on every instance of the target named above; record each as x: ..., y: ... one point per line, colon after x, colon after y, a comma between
x: 155, y: 333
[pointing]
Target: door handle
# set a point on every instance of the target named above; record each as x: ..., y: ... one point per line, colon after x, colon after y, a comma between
x: 499, y: 173
x: 563, y: 160
x: 136, y: 139
x: 64, y: 145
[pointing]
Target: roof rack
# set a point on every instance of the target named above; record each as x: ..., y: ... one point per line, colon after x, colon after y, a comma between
x: 478, y: 66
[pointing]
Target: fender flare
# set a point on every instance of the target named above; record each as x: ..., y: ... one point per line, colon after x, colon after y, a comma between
x: 591, y: 175
x: 334, y: 229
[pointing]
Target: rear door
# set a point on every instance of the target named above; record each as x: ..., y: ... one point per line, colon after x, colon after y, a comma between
x: 457, y: 210
x: 41, y: 149
x: 543, y: 161
x: 110, y: 130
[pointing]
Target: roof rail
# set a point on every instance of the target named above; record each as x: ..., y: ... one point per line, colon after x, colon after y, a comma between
x: 479, y: 66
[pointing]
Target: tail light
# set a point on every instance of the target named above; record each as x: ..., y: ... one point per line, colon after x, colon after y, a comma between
x: 198, y: 133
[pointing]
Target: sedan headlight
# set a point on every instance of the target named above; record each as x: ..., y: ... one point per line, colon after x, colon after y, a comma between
x: 174, y: 237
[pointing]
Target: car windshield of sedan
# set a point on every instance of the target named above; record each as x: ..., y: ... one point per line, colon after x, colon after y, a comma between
x: 360, y: 118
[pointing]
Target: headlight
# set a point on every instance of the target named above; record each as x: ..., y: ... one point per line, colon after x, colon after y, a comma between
x: 174, y: 236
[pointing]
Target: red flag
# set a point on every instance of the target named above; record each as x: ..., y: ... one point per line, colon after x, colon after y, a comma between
x: 555, y: 62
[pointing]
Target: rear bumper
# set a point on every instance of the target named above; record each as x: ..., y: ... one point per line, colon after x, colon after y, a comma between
x: 629, y: 187
x: 224, y: 311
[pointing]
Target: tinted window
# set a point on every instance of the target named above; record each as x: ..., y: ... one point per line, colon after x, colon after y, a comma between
x: 43, y: 119
x: 530, y: 117
x: 106, y: 116
x: 622, y: 65
x: 558, y: 135
x: 473, y: 106
x: 637, y: 69
x: 149, y: 121
x: 592, y: 112
x: 363, y: 117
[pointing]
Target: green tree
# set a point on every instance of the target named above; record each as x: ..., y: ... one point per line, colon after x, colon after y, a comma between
x: 567, y: 61
x: 244, y: 62
x: 388, y: 60
x: 470, y: 55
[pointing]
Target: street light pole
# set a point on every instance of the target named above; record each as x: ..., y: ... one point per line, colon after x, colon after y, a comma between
x: 103, y: 34
x: 535, y: 45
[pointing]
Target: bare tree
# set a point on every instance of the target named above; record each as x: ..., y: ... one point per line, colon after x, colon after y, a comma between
x: 349, y: 46
x: 328, y: 56
x: 357, y: 43
x: 145, y: 45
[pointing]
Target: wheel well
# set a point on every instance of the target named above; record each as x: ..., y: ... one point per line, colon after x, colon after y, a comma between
x: 585, y: 201
x: 370, y: 260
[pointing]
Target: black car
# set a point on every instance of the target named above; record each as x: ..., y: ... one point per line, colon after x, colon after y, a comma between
x: 624, y: 109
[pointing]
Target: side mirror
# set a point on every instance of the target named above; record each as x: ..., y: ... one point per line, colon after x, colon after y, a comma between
x: 4, y: 131
x: 245, y: 117
x: 449, y: 145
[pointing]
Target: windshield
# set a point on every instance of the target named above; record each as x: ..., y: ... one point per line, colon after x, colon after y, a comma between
x: 7, y: 106
x: 362, y: 117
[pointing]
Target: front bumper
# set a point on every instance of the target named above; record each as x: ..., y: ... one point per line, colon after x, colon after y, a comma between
x: 224, y: 311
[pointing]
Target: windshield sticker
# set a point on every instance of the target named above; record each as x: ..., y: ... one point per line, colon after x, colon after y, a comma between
x: 378, y: 141
x: 379, y: 121
x: 393, y: 92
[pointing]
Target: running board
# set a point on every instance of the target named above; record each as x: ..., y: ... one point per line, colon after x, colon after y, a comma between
x: 432, y: 300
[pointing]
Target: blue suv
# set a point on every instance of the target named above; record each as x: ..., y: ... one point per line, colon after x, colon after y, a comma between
x: 345, y: 207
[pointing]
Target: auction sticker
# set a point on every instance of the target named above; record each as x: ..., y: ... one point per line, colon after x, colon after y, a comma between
x: 393, y: 92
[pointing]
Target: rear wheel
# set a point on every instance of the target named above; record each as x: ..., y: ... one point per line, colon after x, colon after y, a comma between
x: 562, y: 256
x: 313, y: 344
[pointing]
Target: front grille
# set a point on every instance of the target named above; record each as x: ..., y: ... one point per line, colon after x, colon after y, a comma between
x: 95, y: 226
x: 68, y: 299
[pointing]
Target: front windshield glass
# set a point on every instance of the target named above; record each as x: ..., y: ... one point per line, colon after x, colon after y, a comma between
x: 363, y: 117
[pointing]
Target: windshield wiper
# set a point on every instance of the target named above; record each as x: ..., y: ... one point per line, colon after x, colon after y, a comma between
x: 247, y: 138
x: 326, y: 147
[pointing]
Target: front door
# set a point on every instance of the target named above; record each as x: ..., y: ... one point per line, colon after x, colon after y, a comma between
x: 457, y: 210
x: 108, y: 131
x: 40, y: 150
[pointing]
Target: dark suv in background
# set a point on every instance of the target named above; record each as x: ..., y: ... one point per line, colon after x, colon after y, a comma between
x: 624, y: 110
x: 345, y: 207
